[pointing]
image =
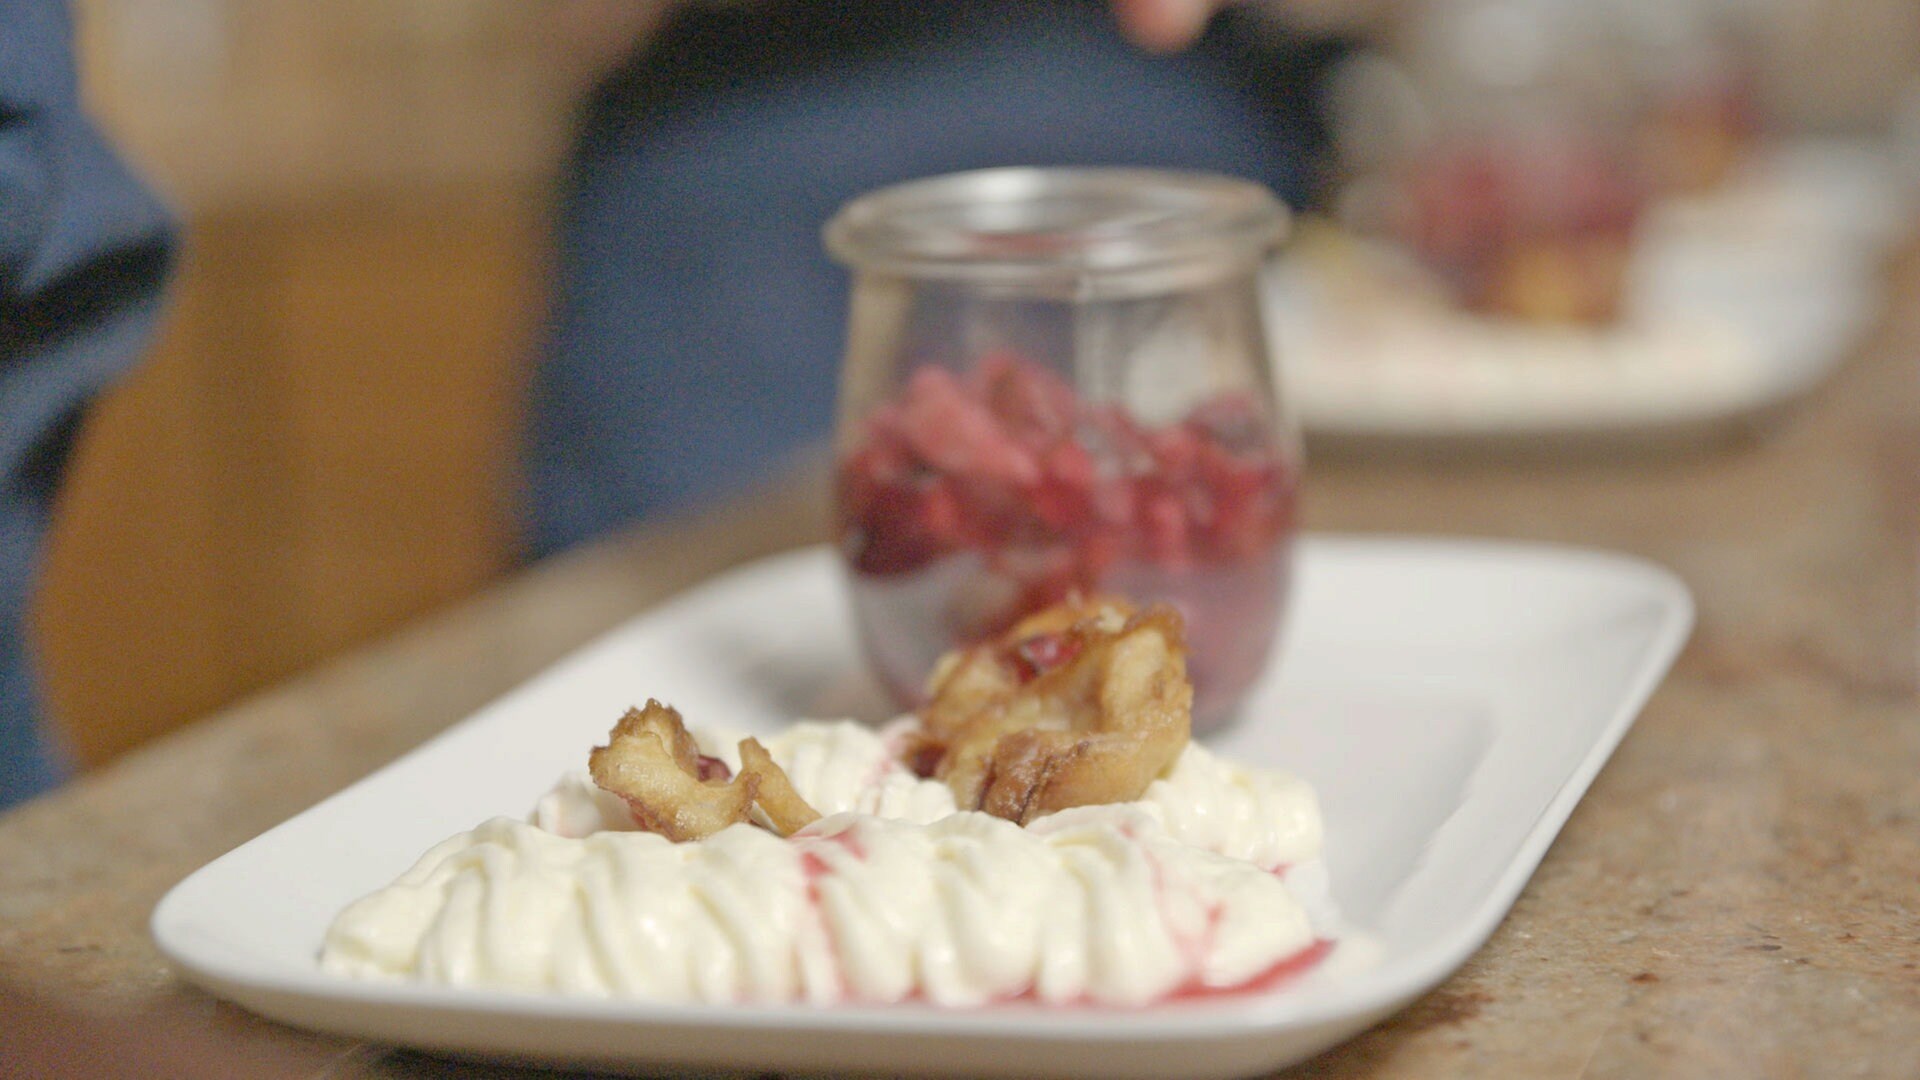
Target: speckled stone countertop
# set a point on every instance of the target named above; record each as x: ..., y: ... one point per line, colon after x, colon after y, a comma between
x: 1738, y: 895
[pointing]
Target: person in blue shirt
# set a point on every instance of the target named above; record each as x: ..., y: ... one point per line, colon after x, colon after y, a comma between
x: 84, y: 253
x: 696, y: 323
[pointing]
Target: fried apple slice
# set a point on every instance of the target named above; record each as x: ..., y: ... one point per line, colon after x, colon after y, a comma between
x: 653, y: 764
x: 783, y: 806
x: 1080, y: 704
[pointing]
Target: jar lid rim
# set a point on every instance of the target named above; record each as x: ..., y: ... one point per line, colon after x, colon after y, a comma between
x: 1025, y: 222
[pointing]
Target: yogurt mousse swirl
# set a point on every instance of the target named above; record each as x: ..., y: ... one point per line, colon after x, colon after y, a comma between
x: 1095, y: 905
x: 1262, y: 816
x: 893, y: 896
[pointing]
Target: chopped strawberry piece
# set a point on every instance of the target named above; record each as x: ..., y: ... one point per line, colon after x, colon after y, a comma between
x: 1232, y: 423
x: 942, y: 514
x: 1163, y: 527
x: 1063, y: 501
x: 1176, y: 450
x: 1033, y: 405
x: 957, y: 434
x: 1021, y: 495
x: 1113, y: 437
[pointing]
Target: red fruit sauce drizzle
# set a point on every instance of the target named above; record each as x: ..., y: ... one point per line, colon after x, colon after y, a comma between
x: 885, y: 766
x: 814, y: 866
x: 1196, y: 948
x: 1273, y: 978
x: 1280, y: 974
x: 1034, y: 656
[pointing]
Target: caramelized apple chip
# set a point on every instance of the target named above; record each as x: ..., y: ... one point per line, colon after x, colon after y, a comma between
x: 1083, y: 703
x: 653, y: 764
x: 785, y: 810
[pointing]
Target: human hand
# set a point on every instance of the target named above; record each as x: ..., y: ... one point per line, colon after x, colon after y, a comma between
x: 1164, y: 25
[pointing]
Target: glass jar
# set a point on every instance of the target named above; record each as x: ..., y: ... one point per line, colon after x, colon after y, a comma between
x: 1059, y: 382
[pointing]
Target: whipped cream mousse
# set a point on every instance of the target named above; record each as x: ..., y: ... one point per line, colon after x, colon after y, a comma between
x: 894, y: 895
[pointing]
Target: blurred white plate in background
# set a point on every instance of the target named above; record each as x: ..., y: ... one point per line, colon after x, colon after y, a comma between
x: 1737, y: 304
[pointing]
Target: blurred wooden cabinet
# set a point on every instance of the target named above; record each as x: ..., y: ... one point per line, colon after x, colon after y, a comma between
x: 321, y: 445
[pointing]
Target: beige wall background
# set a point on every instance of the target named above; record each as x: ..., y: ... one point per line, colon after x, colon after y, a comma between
x: 321, y: 446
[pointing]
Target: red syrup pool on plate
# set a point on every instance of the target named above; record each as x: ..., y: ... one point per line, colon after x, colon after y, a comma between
x: 1280, y: 975
x: 968, y: 501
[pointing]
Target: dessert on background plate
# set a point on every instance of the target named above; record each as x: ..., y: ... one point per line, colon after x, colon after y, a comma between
x: 1734, y: 302
x: 1042, y: 830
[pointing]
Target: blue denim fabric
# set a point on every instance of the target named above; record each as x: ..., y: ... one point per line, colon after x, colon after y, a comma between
x: 28, y: 765
x: 84, y: 251
x: 697, y: 323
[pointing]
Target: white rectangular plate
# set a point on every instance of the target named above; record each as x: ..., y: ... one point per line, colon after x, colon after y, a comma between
x: 1738, y: 302
x: 1450, y: 701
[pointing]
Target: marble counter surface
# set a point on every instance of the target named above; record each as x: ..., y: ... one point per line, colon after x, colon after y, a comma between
x: 1738, y: 895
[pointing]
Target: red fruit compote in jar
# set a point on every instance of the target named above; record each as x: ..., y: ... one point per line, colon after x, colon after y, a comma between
x: 970, y: 499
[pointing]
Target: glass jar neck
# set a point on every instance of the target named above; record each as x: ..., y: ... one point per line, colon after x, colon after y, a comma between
x: 1063, y: 234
